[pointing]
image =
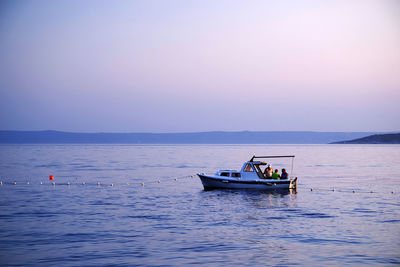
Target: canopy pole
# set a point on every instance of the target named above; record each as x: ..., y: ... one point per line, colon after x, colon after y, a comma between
x: 291, y: 169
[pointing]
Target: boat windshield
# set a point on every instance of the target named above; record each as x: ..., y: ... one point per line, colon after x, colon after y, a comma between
x: 258, y: 170
x: 248, y: 168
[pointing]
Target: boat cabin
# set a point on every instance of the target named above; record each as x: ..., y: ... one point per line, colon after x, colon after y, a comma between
x: 251, y: 170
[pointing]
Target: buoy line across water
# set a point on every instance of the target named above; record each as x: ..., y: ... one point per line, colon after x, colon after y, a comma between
x: 362, y: 191
x: 165, y: 180
x: 53, y: 182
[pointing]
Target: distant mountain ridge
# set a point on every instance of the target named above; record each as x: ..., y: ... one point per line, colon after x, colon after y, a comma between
x: 375, y: 139
x: 216, y: 137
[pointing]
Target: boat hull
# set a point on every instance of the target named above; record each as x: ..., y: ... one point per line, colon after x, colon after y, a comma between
x: 210, y: 182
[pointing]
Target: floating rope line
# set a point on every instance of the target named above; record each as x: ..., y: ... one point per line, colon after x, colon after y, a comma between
x: 52, y: 182
x: 362, y: 191
x: 175, y: 179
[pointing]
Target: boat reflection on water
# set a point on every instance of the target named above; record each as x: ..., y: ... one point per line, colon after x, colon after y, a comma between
x: 274, y: 192
x: 240, y: 198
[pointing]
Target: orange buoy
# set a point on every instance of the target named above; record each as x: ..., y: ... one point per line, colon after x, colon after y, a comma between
x: 51, y: 177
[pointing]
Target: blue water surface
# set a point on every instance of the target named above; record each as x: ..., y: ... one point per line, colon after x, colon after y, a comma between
x: 142, y: 205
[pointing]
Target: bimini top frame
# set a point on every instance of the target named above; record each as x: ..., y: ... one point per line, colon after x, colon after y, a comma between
x: 266, y: 157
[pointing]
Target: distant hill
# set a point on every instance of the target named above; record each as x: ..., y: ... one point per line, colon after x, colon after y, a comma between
x: 375, y: 139
x: 243, y: 137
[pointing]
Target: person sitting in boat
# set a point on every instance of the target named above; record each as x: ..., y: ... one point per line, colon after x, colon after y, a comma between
x: 268, y: 172
x: 276, y: 175
x: 284, y: 174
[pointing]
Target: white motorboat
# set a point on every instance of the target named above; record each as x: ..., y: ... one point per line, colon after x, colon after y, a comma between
x: 249, y: 177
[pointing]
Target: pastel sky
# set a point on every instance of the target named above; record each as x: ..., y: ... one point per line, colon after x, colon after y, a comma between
x: 186, y: 66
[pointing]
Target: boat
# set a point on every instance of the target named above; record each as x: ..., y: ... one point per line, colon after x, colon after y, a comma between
x: 249, y: 177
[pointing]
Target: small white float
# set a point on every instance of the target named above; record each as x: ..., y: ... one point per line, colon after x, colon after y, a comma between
x: 249, y: 177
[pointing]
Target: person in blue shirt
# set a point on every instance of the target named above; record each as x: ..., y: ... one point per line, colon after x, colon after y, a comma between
x: 284, y: 174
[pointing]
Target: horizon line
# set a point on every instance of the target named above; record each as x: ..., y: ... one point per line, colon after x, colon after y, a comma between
x: 210, y: 131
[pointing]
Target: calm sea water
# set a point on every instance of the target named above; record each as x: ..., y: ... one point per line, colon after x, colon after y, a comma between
x: 170, y: 222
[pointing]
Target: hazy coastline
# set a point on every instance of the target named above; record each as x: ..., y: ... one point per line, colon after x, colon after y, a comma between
x: 215, y: 137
